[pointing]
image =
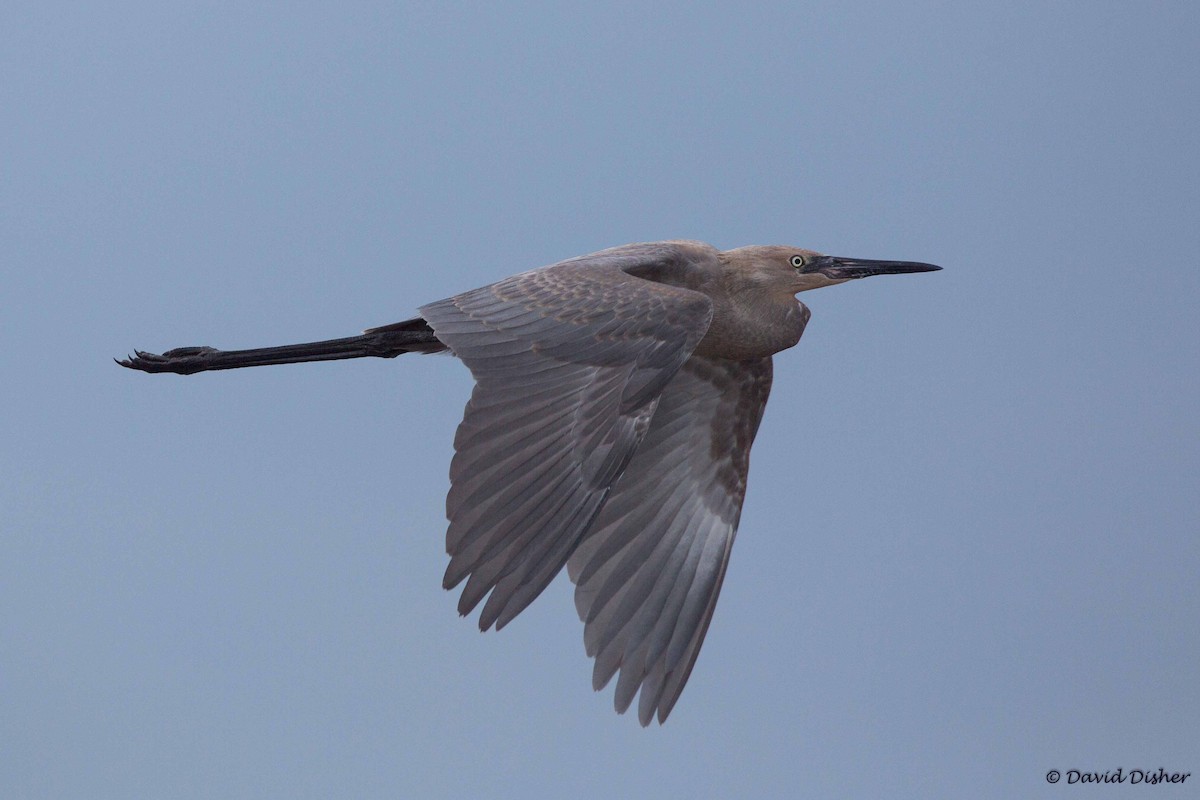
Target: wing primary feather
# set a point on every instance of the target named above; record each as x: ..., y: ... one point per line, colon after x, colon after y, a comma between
x: 649, y: 573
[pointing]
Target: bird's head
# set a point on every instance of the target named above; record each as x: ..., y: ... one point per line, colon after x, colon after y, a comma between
x: 800, y: 270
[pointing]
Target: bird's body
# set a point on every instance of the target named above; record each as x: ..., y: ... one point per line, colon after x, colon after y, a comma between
x: 609, y: 431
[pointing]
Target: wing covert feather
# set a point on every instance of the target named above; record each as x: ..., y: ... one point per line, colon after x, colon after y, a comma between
x: 569, y: 361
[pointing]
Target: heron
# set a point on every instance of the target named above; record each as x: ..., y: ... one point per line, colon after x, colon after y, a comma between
x: 616, y: 398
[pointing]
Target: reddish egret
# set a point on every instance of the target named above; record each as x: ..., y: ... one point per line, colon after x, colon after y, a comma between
x: 616, y: 398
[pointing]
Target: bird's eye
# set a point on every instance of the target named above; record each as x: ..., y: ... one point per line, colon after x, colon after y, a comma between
x: 797, y: 261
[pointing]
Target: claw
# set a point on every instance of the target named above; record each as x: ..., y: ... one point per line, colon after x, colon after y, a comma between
x: 140, y: 360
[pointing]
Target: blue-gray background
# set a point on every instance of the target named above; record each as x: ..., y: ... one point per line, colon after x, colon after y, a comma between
x: 970, y: 546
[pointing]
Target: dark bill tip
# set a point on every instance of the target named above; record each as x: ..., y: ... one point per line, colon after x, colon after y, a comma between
x: 847, y: 268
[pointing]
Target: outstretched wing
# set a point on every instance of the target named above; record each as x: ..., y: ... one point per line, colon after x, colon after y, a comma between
x: 648, y: 573
x: 569, y: 361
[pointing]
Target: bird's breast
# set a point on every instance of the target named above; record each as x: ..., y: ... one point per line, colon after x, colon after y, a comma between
x: 743, y: 331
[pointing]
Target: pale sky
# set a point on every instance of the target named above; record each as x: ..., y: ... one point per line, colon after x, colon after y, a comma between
x: 971, y: 544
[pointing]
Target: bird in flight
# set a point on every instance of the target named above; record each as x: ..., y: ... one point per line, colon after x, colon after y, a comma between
x: 616, y: 398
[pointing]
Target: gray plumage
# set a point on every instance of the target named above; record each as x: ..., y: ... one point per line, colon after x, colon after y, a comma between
x: 616, y: 399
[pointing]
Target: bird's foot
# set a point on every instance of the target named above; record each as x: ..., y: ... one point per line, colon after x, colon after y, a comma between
x: 181, y: 360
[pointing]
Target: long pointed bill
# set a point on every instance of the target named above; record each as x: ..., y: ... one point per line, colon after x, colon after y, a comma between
x: 848, y: 268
